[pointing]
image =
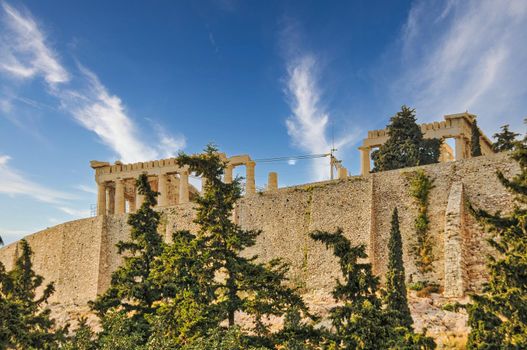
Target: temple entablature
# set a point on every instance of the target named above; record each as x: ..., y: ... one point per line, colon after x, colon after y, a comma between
x: 116, y: 183
x: 457, y: 126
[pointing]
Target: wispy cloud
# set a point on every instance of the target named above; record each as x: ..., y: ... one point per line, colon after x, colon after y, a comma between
x: 103, y: 113
x: 25, y: 54
x: 75, y: 212
x: 13, y: 183
x: 308, y: 124
x: 465, y: 55
x: 87, y: 189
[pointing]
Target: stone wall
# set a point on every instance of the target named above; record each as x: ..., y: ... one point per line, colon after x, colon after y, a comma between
x: 79, y: 256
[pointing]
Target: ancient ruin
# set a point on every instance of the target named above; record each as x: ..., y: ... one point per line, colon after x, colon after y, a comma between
x: 80, y: 256
x: 456, y: 126
x: 117, y: 192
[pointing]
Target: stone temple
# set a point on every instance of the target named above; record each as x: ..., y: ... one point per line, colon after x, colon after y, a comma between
x: 79, y: 256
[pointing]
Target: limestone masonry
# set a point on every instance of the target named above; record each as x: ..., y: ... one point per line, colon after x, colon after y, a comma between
x: 79, y: 256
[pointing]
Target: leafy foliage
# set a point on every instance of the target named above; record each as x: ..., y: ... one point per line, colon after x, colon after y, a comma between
x: 82, y: 339
x: 24, y: 322
x: 396, y: 296
x: 405, y: 146
x: 475, y: 146
x: 420, y: 186
x: 498, y: 317
x: 505, y: 140
x: 131, y: 292
x: 361, y: 321
x: 255, y: 289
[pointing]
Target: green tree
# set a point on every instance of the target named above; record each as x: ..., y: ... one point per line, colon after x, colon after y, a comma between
x: 359, y: 321
x: 498, y: 316
x: 396, y: 296
x: 186, y: 310
x: 24, y: 321
x: 82, y: 339
x: 362, y: 321
x: 505, y: 139
x: 131, y: 292
x: 256, y: 289
x: 405, y: 146
x: 475, y: 146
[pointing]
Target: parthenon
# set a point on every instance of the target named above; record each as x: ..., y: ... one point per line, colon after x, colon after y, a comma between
x: 117, y: 192
x: 457, y: 126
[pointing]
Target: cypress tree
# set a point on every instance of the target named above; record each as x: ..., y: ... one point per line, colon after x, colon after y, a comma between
x: 505, y: 139
x: 396, y: 298
x: 24, y: 321
x: 359, y: 321
x: 362, y: 320
x: 405, y: 146
x: 131, y: 293
x: 256, y: 289
x: 475, y: 146
x: 498, y: 316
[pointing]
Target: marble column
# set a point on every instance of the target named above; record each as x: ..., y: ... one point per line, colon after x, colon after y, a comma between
x: 343, y: 173
x: 365, y: 160
x: 227, y: 176
x: 461, y: 147
x: 111, y: 200
x: 101, y: 198
x: 120, y: 205
x: 183, y: 187
x: 272, y: 181
x: 250, y: 184
x: 162, y: 188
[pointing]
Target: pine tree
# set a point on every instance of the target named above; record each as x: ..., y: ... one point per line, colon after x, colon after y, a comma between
x: 505, y: 139
x: 246, y: 286
x: 24, y: 321
x: 131, y: 292
x: 405, y: 146
x: 396, y: 297
x: 82, y: 339
x: 362, y: 321
x: 186, y: 310
x: 498, y: 316
x: 359, y: 322
x: 475, y: 146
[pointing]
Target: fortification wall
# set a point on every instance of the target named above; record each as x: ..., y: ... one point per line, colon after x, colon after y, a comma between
x: 79, y: 256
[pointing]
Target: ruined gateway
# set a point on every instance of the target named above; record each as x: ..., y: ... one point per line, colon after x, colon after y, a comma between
x: 79, y: 256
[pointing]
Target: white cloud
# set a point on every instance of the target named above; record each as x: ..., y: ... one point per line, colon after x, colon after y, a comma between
x: 465, y: 55
x: 14, y: 183
x: 25, y: 54
x: 87, y: 189
x: 103, y: 113
x: 308, y: 123
x: 75, y: 212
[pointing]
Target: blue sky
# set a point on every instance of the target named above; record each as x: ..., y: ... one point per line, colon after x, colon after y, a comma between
x: 135, y: 81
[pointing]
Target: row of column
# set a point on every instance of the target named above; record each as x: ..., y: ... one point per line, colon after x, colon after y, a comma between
x: 462, y: 145
x: 250, y: 182
x: 118, y: 205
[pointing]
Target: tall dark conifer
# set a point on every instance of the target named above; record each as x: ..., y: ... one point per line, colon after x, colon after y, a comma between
x: 255, y: 289
x: 475, y: 146
x: 359, y: 321
x: 131, y: 293
x: 405, y: 146
x: 24, y: 321
x: 498, y: 317
x: 396, y: 298
x: 505, y: 140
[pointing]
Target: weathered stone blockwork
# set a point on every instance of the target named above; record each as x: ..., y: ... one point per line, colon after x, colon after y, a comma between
x: 79, y: 256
